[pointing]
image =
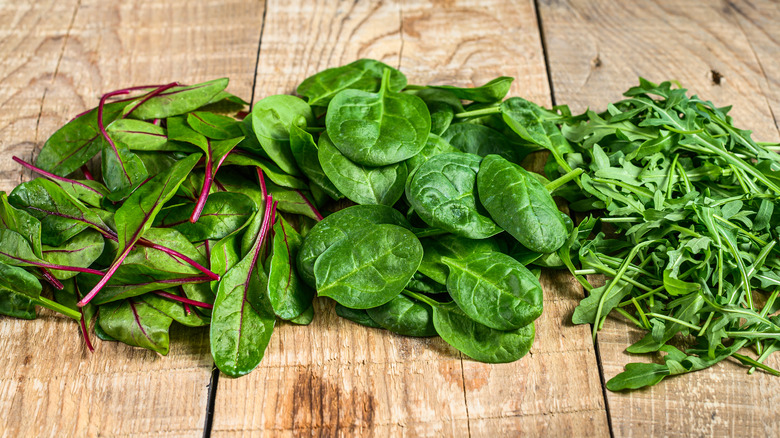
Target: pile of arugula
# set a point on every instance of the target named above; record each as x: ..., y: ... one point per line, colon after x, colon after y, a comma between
x: 206, y: 215
x: 690, y: 250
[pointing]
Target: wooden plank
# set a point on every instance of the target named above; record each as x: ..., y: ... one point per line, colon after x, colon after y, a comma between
x: 758, y: 20
x: 336, y: 378
x: 50, y: 385
x: 596, y: 49
x: 468, y: 43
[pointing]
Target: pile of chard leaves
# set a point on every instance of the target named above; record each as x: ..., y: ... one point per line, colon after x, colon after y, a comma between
x: 203, y: 214
x: 690, y: 248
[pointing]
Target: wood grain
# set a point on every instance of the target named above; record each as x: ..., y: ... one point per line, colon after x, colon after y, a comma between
x: 58, y: 57
x: 337, y: 378
x: 595, y: 51
x: 758, y: 20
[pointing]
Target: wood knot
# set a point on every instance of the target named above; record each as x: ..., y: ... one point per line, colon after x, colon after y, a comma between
x: 716, y: 77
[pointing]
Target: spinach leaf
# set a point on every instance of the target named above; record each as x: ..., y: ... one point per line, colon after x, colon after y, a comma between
x: 537, y: 125
x: 271, y: 121
x: 451, y: 246
x: 77, y: 142
x: 363, y: 185
x: 520, y: 204
x: 404, y: 316
x: 434, y: 146
x: 363, y: 74
x: 81, y: 251
x: 370, y: 268
x: 340, y: 226
x: 304, y: 149
x: 483, y: 141
x: 495, y: 290
x: 214, y: 126
x: 358, y: 316
x: 61, y: 216
x: 243, y: 319
x: 378, y: 129
x: 441, y: 191
x: 480, y: 342
x: 493, y: 91
x: 138, y: 135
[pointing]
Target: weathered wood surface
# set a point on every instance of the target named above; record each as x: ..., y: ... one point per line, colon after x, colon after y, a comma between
x: 57, y: 58
x: 333, y: 377
x: 596, y: 50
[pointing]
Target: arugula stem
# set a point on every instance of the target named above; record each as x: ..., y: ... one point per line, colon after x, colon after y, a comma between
x: 618, y: 276
x: 674, y: 320
x: 752, y: 334
x: 620, y: 219
x: 54, y: 177
x: 57, y: 307
x: 769, y: 303
x: 479, y: 113
x: 756, y: 364
x: 630, y: 187
x: 558, y: 182
x: 641, y: 313
x: 415, y: 87
x: 670, y: 178
x: 685, y: 230
x: 656, y: 291
x: 183, y: 300
x: 630, y: 318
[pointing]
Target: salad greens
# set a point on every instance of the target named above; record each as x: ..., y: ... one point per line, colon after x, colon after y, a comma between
x: 409, y: 207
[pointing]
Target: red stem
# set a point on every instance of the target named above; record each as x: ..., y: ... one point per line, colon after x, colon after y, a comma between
x: 52, y: 176
x: 91, y: 294
x: 211, y: 275
x: 204, y: 191
x: 262, y: 182
x: 51, y: 279
x: 187, y: 309
x: 103, y: 128
x: 87, y: 174
x: 311, y: 205
x: 85, y: 333
x: 184, y: 300
x: 126, y: 91
x: 151, y: 95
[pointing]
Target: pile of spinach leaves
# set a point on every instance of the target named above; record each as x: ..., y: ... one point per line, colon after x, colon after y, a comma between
x: 204, y: 214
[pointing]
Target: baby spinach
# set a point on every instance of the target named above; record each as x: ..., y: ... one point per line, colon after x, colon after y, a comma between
x: 370, y: 268
x: 363, y: 185
x: 495, y: 290
x: 404, y: 316
x: 520, y: 204
x: 377, y: 129
x: 271, y: 121
x: 363, y: 74
x: 441, y: 191
x: 493, y: 91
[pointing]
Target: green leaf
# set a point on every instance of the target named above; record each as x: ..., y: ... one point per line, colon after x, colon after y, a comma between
x: 136, y: 323
x: 289, y: 296
x: 223, y: 213
x: 363, y: 185
x: 304, y: 149
x: 493, y: 91
x: 638, y: 375
x: 369, y: 268
x: 441, y: 191
x: 404, y: 316
x: 377, y: 129
x: 138, y: 135
x: 81, y: 251
x: 271, y: 121
x: 358, y: 316
x: 214, y: 126
x: 363, y: 74
x: 495, y: 290
x: 451, y: 246
x: 178, y: 100
x: 480, y: 342
x: 520, y: 204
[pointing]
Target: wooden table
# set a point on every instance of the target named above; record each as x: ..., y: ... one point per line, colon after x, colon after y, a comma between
x: 333, y: 377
